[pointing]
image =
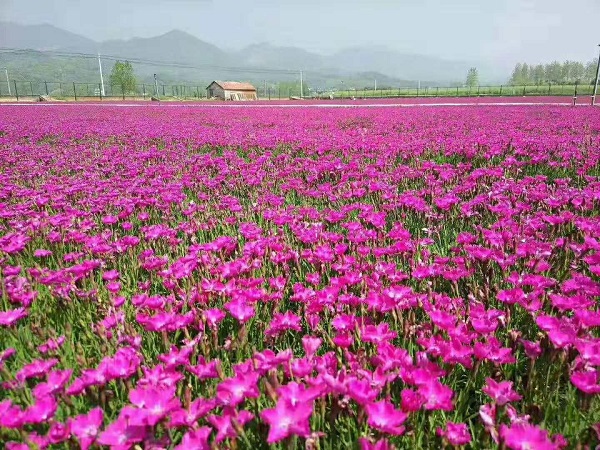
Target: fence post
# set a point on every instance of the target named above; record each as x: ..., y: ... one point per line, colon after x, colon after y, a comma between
x: 74, y: 91
x: 575, y: 95
x: 46, y: 85
x: 144, y: 90
x: 16, y: 91
x: 549, y: 88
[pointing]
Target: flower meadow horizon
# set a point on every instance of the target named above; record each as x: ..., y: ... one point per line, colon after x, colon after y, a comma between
x: 378, y: 278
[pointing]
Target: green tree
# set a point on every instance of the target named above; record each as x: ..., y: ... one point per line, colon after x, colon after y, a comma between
x: 577, y: 72
x: 566, y: 72
x: 554, y: 72
x: 515, y: 78
x: 525, y: 74
x: 122, y: 77
x: 472, y: 77
x: 590, y: 72
x: 538, y: 74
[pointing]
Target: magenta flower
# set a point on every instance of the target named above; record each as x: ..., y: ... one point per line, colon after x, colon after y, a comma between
x: 51, y: 345
x: 43, y: 409
x: 296, y: 393
x: 11, y: 445
x: 11, y: 416
x: 228, y: 424
x: 190, y: 416
x: 532, y: 349
x: 214, y: 317
x: 436, y: 395
x: 526, y: 437
x: 282, y: 323
x: 195, y: 439
x: 9, y: 318
x: 378, y: 333
x: 311, y: 345
x: 122, y: 433
x: 87, y: 426
x: 586, y: 381
x: 501, y: 392
x: 455, y: 433
x: 384, y: 417
x: 13, y: 242
x: 233, y: 391
x: 59, y: 432
x: 411, y: 400
x: 367, y: 444
x: 240, y: 310
x: 287, y: 420
x: 361, y: 391
x: 155, y: 403
x: 110, y: 275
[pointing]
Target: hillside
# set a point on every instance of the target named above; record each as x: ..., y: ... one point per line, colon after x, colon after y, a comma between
x: 357, y: 66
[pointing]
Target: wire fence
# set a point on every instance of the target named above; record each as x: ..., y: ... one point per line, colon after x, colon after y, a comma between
x: 468, y: 91
x: 86, y: 91
x: 78, y: 90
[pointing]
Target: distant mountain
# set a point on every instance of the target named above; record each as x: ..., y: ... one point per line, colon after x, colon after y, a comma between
x: 43, y: 37
x: 174, y: 46
x: 268, y: 55
x: 390, y: 66
x: 397, y: 64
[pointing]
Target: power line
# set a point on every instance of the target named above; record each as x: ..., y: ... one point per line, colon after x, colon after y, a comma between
x: 174, y: 64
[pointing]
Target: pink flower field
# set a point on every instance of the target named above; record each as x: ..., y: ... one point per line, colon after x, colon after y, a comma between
x: 299, y: 278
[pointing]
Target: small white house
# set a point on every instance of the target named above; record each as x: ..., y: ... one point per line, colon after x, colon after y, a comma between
x: 231, y: 90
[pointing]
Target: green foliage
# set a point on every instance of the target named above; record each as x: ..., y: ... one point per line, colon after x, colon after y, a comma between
x: 472, y: 77
x: 291, y: 89
x: 569, y: 72
x: 122, y: 77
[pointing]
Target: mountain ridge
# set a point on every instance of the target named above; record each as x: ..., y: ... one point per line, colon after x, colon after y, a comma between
x: 177, y: 46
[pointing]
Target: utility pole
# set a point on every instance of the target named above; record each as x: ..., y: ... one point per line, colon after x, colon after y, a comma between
x: 101, y: 77
x: 375, y: 84
x: 596, y: 83
x: 155, y: 86
x: 301, y: 86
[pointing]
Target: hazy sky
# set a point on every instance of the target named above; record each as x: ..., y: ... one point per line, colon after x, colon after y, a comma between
x: 499, y: 31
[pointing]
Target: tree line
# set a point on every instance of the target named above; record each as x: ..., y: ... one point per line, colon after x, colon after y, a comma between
x: 569, y: 72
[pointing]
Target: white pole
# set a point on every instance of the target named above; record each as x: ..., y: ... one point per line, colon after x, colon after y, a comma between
x: 375, y: 84
x: 101, y: 77
x: 596, y: 83
x: 7, y: 82
x: 301, y: 86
